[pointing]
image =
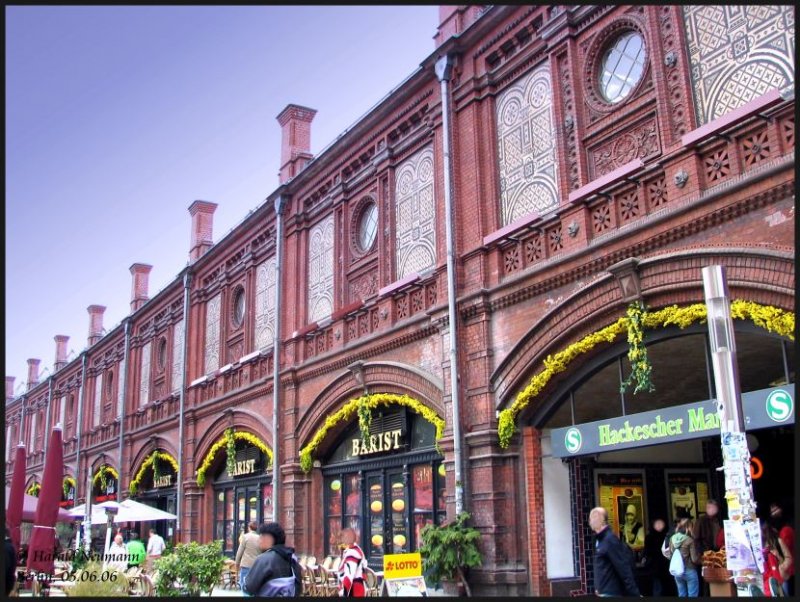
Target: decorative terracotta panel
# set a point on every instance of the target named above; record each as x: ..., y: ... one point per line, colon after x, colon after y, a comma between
x: 265, y: 304
x: 738, y: 53
x: 320, y: 270
x: 416, y: 215
x: 144, y: 382
x: 212, y: 333
x: 177, y: 356
x: 526, y: 147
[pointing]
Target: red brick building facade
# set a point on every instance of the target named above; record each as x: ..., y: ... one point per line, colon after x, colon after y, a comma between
x: 599, y: 154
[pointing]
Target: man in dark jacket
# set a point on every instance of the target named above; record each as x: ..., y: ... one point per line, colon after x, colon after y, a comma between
x: 613, y: 566
x: 275, y: 572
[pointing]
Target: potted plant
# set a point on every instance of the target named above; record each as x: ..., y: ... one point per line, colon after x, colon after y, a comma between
x: 191, y: 569
x: 449, y: 551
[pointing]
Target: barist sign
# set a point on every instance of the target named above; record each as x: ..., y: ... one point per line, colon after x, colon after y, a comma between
x: 762, y: 409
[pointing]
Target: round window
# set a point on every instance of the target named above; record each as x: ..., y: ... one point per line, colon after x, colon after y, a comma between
x: 238, y: 307
x: 622, y: 66
x: 162, y: 353
x: 368, y: 227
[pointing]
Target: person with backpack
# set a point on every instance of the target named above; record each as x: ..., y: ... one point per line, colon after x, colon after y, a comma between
x: 613, y: 560
x: 351, y: 568
x: 684, y: 560
x: 276, y: 571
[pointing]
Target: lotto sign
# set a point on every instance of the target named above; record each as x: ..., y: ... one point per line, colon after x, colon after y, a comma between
x: 779, y: 405
x: 401, y: 566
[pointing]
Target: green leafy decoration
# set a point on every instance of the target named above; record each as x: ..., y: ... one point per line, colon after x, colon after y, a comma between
x: 641, y: 368
x: 230, y: 450
x: 448, y: 550
x: 190, y: 568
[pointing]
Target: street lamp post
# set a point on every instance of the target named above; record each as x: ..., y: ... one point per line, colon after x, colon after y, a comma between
x: 742, y: 525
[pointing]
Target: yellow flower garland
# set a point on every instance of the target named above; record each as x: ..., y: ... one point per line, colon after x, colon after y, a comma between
x: 222, y: 442
x: 66, y: 484
x: 104, y: 469
x: 34, y: 489
x: 769, y: 318
x: 371, y: 402
x: 134, y: 484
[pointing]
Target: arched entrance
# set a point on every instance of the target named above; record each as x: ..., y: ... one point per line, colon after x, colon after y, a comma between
x: 155, y: 484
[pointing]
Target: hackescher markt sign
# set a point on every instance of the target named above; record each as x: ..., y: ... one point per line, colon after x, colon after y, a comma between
x: 762, y: 409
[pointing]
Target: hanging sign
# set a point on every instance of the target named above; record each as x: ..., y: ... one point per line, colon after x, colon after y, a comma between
x: 762, y: 409
x: 402, y: 575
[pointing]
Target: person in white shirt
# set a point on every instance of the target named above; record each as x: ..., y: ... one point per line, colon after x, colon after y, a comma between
x: 155, y: 545
x: 117, y: 557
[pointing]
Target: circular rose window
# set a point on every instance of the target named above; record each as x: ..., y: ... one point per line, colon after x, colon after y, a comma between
x: 622, y: 66
x: 367, y: 227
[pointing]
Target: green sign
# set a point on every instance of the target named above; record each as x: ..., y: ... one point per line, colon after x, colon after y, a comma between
x: 762, y: 409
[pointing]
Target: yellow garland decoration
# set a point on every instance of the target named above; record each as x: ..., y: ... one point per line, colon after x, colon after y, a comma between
x: 34, y: 489
x: 371, y: 402
x: 769, y: 318
x: 134, y: 484
x: 105, y: 468
x: 222, y: 442
x: 66, y: 484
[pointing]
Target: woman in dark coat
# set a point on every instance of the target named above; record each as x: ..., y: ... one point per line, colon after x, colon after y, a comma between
x: 656, y: 563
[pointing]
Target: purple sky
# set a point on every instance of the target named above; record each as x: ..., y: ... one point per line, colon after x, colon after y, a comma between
x: 117, y: 118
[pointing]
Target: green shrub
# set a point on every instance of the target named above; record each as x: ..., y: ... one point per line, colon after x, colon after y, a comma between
x: 448, y: 550
x: 191, y: 568
x: 95, y: 581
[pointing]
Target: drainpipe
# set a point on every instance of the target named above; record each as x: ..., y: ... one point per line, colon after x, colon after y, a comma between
x: 187, y: 281
x: 444, y: 67
x: 280, y: 206
x: 48, y: 426
x: 80, y: 432
x: 123, y: 382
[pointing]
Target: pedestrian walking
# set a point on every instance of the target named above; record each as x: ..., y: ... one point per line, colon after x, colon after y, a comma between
x: 11, y: 563
x: 705, y: 533
x: 682, y: 543
x: 276, y: 571
x: 656, y: 565
x: 613, y: 561
x: 155, y: 545
x: 247, y: 553
x: 777, y: 558
x: 351, y: 568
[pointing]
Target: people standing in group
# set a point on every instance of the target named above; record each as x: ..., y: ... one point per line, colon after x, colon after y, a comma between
x: 276, y: 571
x: 247, y: 553
x: 351, y: 568
x: 705, y: 533
x: 777, y: 557
x: 118, y: 554
x: 656, y: 564
x: 136, y: 551
x: 682, y: 542
x: 613, y: 563
x: 783, y: 525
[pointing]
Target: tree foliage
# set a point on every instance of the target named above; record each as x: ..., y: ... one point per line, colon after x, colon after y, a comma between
x: 190, y: 569
x: 448, y: 549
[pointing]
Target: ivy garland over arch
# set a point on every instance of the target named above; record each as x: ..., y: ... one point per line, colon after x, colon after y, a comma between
x: 228, y: 441
x: 152, y: 459
x: 363, y: 405
x: 102, y: 475
x: 772, y: 319
x: 34, y: 489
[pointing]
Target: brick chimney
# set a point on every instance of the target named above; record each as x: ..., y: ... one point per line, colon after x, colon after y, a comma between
x: 61, y: 352
x: 453, y: 19
x: 140, y: 273
x: 10, y: 387
x: 33, y: 373
x: 295, y: 140
x: 95, y: 323
x: 202, y: 213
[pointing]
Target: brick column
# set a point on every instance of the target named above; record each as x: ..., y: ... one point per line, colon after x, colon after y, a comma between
x: 537, y: 553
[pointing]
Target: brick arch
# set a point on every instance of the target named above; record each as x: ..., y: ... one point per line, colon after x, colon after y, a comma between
x: 34, y: 478
x: 754, y: 274
x: 379, y: 377
x: 99, y: 461
x: 238, y: 419
x: 156, y: 443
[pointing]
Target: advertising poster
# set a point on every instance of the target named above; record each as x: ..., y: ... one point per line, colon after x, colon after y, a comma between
x: 740, y: 555
x: 403, y: 575
x: 688, y: 492
x: 622, y: 495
